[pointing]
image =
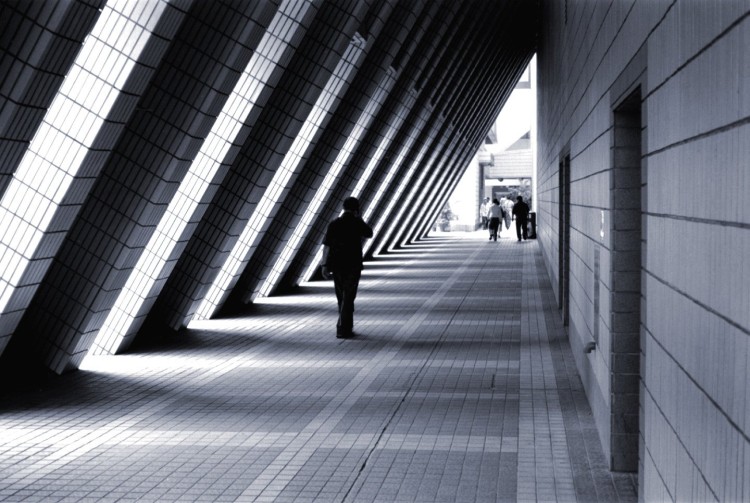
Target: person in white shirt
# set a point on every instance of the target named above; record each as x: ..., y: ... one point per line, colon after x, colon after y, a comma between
x: 495, y: 213
x: 483, y: 208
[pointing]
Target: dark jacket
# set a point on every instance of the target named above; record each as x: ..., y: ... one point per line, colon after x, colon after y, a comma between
x: 521, y: 211
x: 344, y: 239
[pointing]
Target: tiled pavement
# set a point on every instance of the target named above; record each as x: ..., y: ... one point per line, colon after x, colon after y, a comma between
x: 459, y: 387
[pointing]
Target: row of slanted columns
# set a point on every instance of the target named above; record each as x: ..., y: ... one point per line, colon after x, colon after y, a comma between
x: 414, y: 86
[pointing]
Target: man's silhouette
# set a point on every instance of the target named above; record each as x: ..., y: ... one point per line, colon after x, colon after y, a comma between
x: 521, y: 216
x: 342, y: 260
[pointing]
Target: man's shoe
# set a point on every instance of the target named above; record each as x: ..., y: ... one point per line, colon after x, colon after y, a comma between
x: 344, y: 335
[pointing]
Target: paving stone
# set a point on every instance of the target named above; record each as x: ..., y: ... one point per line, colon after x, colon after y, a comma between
x: 460, y: 386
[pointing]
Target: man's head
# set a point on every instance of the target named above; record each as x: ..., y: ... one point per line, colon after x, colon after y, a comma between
x: 351, y: 204
x: 519, y: 199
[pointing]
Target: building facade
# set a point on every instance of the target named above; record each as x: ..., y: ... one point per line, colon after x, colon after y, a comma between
x: 644, y: 221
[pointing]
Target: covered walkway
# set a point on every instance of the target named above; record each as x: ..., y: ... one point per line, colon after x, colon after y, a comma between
x: 460, y: 386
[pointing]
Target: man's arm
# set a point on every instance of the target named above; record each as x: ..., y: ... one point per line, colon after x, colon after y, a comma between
x: 324, y: 268
x: 366, y: 229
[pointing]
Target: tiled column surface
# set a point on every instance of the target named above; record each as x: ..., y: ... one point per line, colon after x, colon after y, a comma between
x: 447, y: 159
x: 449, y: 170
x: 498, y: 70
x: 415, y: 144
x: 459, y: 386
x: 377, y: 147
x: 332, y: 153
x: 38, y: 45
x: 415, y: 141
x: 475, y: 60
x: 88, y: 116
x: 447, y: 154
x: 487, y: 105
x: 444, y: 186
x: 137, y: 183
x: 306, y: 72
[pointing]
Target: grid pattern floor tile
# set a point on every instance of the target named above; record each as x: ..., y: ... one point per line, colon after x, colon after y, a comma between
x: 459, y: 386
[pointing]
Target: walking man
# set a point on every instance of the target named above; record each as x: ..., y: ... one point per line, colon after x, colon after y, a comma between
x: 521, y: 216
x: 342, y: 261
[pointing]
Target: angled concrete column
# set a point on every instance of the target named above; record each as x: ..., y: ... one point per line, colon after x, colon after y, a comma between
x: 333, y: 152
x: 411, y: 145
x: 176, y: 111
x: 487, y: 91
x: 415, y: 144
x: 449, y: 174
x: 132, y: 191
x: 413, y: 187
x: 83, y: 125
x: 374, y: 151
x: 486, y: 86
x: 411, y: 142
x: 363, y: 166
x: 406, y: 184
x: 444, y: 149
x: 290, y: 169
x: 445, y: 146
x: 240, y: 83
x: 39, y: 43
x: 287, y: 105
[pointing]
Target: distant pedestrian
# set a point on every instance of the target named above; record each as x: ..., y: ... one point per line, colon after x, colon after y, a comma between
x: 507, y: 206
x: 483, y: 208
x: 521, y: 216
x: 495, y: 213
x: 342, y: 261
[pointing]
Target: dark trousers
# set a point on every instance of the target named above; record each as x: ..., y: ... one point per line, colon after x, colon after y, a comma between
x: 494, y: 224
x: 346, y: 284
x: 521, y: 229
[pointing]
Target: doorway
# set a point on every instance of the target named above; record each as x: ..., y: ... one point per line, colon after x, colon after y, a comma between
x: 564, y: 238
x: 627, y: 247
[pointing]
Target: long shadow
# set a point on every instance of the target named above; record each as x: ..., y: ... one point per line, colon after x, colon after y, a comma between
x: 243, y: 329
x: 70, y: 394
x: 207, y: 342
